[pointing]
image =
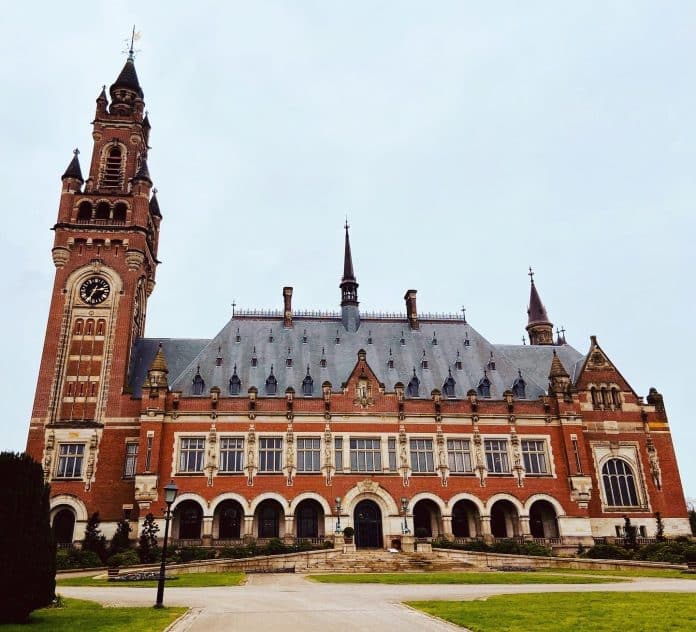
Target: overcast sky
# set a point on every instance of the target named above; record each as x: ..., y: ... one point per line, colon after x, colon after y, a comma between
x: 465, y: 141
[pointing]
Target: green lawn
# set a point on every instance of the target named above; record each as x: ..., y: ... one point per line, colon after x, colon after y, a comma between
x: 77, y: 614
x: 554, y: 612
x: 459, y: 578
x: 187, y: 580
x: 667, y: 573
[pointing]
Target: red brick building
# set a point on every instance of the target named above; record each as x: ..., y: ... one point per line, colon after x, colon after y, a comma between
x: 410, y: 421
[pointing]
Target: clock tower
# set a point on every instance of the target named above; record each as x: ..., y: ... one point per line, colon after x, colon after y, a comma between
x: 105, y: 253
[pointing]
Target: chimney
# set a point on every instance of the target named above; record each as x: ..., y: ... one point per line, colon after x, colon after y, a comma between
x: 287, y: 309
x: 411, y: 311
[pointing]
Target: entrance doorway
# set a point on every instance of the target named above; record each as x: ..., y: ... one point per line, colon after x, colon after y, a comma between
x: 63, y: 527
x: 367, y: 519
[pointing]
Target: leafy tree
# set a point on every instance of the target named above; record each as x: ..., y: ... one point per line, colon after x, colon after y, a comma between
x: 27, y: 548
x: 120, y: 541
x: 692, y: 516
x: 630, y: 534
x: 147, y: 543
x: 94, y: 538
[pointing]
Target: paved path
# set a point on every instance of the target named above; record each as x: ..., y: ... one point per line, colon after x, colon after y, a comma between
x: 296, y: 603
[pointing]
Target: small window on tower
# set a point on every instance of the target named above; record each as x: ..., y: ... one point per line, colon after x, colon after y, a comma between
x: 120, y: 212
x: 101, y: 324
x: 89, y: 328
x: 112, y: 177
x: 84, y: 212
x: 78, y: 327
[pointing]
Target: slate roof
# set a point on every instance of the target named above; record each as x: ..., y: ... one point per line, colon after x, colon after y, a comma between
x: 73, y: 170
x: 128, y: 78
x: 536, y: 311
x: 246, y: 336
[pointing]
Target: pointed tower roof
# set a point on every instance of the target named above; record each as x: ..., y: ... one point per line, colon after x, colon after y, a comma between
x: 127, y: 78
x: 143, y: 172
x: 348, y: 273
x: 557, y: 368
x: 102, y: 95
x: 159, y: 362
x: 154, y: 204
x: 73, y: 170
x: 536, y: 310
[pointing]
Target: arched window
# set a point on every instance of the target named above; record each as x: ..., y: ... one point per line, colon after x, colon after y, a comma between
x: 519, y: 387
x: 101, y: 325
x: 112, y: 177
x: 235, y: 383
x: 103, y: 211
x: 84, y: 211
x: 307, y: 385
x: 120, y: 210
x: 412, y: 388
x: 78, y: 327
x: 605, y: 397
x: 198, y: 383
x: 595, y: 397
x: 448, y: 386
x: 615, y: 397
x: 619, y: 484
x: 484, y: 387
x: 89, y: 327
x: 271, y: 384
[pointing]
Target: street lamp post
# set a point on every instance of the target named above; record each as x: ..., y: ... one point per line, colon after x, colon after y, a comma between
x: 338, y: 514
x: 170, y: 492
x: 404, y: 509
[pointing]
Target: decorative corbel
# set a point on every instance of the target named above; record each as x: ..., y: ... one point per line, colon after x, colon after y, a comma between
x: 253, y: 392
x: 510, y: 400
x: 326, y: 392
x: 437, y: 403
x: 289, y: 400
x: 176, y: 400
x: 399, y: 390
x: 473, y: 399
x: 214, y: 399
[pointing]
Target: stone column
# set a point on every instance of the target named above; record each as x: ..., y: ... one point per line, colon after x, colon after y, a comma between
x: 447, y: 528
x: 248, y: 533
x: 525, y: 531
x: 289, y: 537
x: 207, y: 531
x: 486, y: 529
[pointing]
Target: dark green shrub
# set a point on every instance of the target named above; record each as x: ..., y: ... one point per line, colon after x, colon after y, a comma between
x: 147, y: 542
x: 195, y: 553
x: 76, y: 558
x: 349, y: 532
x: 608, y: 552
x: 670, y: 552
x: 27, y: 548
x: 94, y: 539
x: 328, y: 544
x: 275, y: 546
x: 510, y: 547
x: 534, y: 548
x: 120, y: 541
x: 124, y: 558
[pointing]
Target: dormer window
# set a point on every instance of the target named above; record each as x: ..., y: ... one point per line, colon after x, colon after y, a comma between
x: 288, y: 360
x: 198, y: 383
x: 491, y: 363
x: 369, y: 337
x: 304, y: 337
x: 238, y: 338
x: 271, y: 384
x: 322, y: 362
x: 434, y: 342
x: 337, y: 339
x: 270, y: 336
x: 254, y: 361
x: 519, y: 387
x: 402, y: 340
x: 235, y: 383
x: 307, y: 384
x: 448, y: 386
x: 466, y: 339
x: 424, y: 361
x: 484, y: 387
x: 413, y: 385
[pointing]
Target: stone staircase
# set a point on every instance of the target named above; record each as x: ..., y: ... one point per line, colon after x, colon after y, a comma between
x: 379, y: 561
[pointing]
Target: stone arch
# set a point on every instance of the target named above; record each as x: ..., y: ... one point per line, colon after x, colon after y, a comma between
x: 196, y: 498
x: 310, y: 496
x: 464, y: 496
x: 71, y: 501
x: 228, y: 496
x: 428, y: 496
x: 503, y: 496
x: 550, y: 499
x: 253, y: 505
x: 372, y: 491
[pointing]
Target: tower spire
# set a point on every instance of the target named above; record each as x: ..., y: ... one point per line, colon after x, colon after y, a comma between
x: 349, y: 289
x: 539, y: 326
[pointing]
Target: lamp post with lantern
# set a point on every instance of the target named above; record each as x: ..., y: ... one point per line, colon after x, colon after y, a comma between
x: 170, y: 492
x: 404, y: 509
x: 338, y: 514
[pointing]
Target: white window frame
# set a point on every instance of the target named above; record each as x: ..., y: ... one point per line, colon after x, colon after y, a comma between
x: 459, y: 455
x: 503, y: 456
x: 537, y: 455
x: 75, y: 458
x: 231, y: 450
x: 371, y: 454
x: 188, y: 449
x: 422, y: 455
x: 270, y: 447
x: 313, y: 451
x: 130, y: 463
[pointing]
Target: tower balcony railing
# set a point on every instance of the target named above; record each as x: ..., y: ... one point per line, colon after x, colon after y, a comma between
x: 244, y: 312
x: 101, y: 222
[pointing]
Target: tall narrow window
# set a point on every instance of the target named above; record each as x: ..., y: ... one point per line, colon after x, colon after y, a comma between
x: 497, y: 460
x: 308, y: 454
x: 619, y: 484
x: 148, y: 453
x: 576, y: 452
x: 70, y: 457
x: 191, y: 452
x: 131, y: 460
x: 112, y: 177
x: 459, y: 456
x: 391, y: 449
x: 231, y: 454
x: 338, y: 453
x: 422, y: 456
x: 270, y: 454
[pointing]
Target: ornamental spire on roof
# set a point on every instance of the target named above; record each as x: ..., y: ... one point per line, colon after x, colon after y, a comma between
x: 73, y: 170
x: 539, y: 326
x: 349, y: 289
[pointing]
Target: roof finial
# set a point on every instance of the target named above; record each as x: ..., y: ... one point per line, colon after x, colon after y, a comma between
x: 531, y: 274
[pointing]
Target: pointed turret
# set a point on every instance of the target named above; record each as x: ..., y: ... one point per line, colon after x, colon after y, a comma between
x: 559, y: 380
x: 154, y: 205
x: 73, y: 171
x: 143, y: 172
x: 158, y: 371
x: 126, y: 91
x: 102, y: 102
x: 539, y: 327
x: 349, y: 290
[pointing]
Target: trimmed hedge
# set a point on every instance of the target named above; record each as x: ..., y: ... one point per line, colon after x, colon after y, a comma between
x: 76, y: 558
x: 510, y: 547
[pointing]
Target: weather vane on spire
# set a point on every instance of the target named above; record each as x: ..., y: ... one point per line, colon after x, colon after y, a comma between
x: 346, y: 225
x: 135, y: 36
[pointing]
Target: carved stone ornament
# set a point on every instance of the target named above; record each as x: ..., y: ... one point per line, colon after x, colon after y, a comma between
x: 328, y: 466
x: 655, y: 470
x: 363, y: 393
x: 368, y: 485
x: 134, y: 259
x: 251, y: 455
x: 581, y: 490
x: 60, y: 256
x: 211, y: 460
x: 146, y: 487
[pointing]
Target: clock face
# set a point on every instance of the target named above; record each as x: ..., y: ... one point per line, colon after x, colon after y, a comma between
x: 94, y: 290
